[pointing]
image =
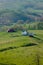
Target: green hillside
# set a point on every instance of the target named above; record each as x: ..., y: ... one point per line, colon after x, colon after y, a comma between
x: 12, y: 11
x: 21, y: 32
x: 21, y: 50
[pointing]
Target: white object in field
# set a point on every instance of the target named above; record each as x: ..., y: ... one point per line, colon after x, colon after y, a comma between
x: 24, y: 33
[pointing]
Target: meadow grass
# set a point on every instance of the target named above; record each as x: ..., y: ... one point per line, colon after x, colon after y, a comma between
x: 16, y: 49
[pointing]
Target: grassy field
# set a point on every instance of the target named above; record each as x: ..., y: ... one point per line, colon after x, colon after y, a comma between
x: 16, y: 49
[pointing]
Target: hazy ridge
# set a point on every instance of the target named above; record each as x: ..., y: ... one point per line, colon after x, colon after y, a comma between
x: 17, y: 11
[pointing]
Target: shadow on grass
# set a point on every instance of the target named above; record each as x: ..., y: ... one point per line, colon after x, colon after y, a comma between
x: 38, y: 38
x: 6, y: 64
x: 9, y: 48
x: 30, y: 44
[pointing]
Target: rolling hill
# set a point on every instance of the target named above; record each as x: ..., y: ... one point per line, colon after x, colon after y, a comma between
x: 14, y: 11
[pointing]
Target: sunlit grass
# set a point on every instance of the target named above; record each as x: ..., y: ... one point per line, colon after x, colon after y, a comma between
x: 26, y: 55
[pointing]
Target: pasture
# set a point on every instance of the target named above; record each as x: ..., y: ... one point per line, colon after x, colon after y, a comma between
x: 16, y: 49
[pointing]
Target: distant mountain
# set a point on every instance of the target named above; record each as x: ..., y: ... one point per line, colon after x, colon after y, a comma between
x: 21, y: 4
x: 15, y: 11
